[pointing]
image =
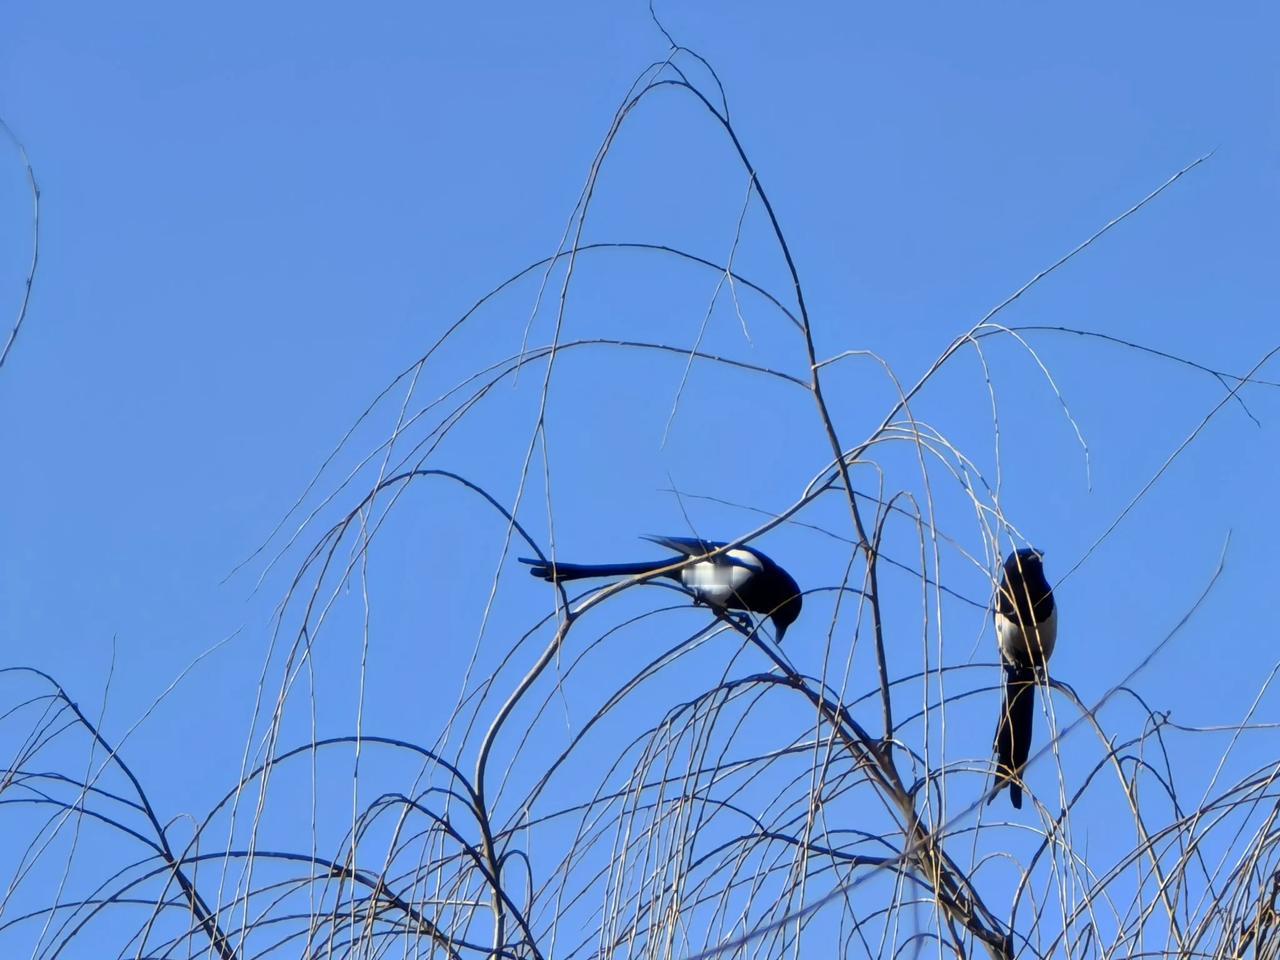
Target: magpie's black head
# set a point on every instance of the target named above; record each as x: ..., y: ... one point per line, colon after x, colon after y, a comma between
x: 788, y: 610
x: 1025, y: 564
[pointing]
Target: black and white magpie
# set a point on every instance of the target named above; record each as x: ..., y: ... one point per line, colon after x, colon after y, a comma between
x: 742, y: 578
x: 1026, y: 630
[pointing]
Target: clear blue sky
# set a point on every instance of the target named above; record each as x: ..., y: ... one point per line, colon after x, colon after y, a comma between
x: 255, y: 216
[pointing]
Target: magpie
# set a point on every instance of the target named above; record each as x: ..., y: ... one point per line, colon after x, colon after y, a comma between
x: 1026, y: 629
x: 742, y: 578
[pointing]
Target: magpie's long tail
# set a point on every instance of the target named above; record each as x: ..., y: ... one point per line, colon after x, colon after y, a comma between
x: 559, y: 572
x: 1013, y: 733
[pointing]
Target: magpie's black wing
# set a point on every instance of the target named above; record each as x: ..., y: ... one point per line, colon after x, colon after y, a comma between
x: 687, y: 546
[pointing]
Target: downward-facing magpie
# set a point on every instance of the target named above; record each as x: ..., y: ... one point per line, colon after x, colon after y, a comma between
x: 742, y: 578
x: 1026, y: 629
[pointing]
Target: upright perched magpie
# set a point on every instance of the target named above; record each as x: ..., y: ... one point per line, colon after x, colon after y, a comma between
x: 1026, y: 628
x: 739, y: 579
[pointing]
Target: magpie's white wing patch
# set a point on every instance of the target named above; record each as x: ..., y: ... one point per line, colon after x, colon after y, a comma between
x: 746, y: 558
x: 1017, y: 648
x: 719, y: 583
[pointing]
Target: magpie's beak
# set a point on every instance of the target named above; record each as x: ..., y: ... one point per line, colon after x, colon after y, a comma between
x: 778, y: 630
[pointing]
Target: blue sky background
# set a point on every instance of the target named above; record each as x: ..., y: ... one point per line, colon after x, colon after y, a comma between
x: 254, y: 218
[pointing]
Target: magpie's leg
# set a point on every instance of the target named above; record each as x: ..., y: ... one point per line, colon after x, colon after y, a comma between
x: 741, y: 622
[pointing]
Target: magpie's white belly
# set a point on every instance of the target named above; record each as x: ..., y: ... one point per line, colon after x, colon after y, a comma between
x: 719, y: 583
x: 1023, y: 650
